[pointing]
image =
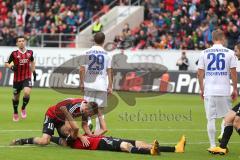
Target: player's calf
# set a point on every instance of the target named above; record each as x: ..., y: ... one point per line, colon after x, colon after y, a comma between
x: 236, y: 124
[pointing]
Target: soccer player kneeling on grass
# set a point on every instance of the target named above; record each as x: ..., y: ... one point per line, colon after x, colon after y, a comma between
x: 60, y: 114
x: 117, y: 144
x: 232, y: 120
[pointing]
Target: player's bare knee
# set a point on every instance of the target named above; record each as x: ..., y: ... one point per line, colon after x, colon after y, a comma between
x: 126, y: 147
x: 229, y: 118
x: 27, y: 91
x: 44, y: 141
x: 236, y: 122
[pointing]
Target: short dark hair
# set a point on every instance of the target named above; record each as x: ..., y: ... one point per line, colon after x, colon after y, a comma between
x: 99, y: 38
x: 93, y: 107
x: 18, y: 37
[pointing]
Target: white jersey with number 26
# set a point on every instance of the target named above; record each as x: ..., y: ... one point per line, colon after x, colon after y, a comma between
x: 97, y: 61
x: 216, y: 62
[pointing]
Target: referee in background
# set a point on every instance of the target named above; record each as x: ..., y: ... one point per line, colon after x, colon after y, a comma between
x: 21, y: 62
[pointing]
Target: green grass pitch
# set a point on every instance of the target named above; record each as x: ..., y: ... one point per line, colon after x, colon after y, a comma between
x: 185, y: 116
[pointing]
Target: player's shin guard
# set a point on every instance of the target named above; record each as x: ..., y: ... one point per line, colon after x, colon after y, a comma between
x: 25, y: 102
x: 27, y: 141
x: 140, y: 150
x: 226, y: 136
x: 15, y: 106
x: 166, y: 149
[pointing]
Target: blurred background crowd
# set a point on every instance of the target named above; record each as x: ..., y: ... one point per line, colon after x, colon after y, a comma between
x: 168, y: 24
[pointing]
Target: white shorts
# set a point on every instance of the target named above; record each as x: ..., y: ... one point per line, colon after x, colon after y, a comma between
x: 217, y: 106
x: 100, y: 97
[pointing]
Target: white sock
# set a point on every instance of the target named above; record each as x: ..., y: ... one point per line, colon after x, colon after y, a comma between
x: 222, y: 127
x: 211, y: 128
x: 98, y: 123
x: 89, y: 121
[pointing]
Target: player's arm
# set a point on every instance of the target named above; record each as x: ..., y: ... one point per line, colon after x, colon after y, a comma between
x: 200, y: 78
x: 233, y: 73
x: 86, y: 128
x: 110, y: 80
x: 8, y: 63
x: 103, y: 126
x: 70, y: 121
x: 201, y: 74
x: 78, y: 135
x: 33, y: 67
x: 82, y: 77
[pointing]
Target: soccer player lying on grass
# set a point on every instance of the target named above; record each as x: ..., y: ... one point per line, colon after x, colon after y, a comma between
x: 232, y: 119
x: 63, y: 113
x: 116, y: 144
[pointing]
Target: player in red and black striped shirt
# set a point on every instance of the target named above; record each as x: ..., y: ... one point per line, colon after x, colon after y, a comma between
x: 63, y: 113
x: 23, y: 66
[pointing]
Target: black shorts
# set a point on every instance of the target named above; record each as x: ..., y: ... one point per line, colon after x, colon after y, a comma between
x: 237, y: 109
x: 113, y: 144
x: 18, y: 86
x: 49, y: 126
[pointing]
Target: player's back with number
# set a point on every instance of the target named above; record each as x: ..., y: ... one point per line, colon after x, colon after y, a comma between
x: 216, y: 62
x: 97, y: 63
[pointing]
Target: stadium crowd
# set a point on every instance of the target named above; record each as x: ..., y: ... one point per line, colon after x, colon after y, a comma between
x: 184, y: 24
x: 168, y: 24
x: 30, y: 17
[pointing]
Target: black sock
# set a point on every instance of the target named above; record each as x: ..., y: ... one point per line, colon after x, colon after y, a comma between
x: 238, y: 130
x: 27, y: 141
x: 140, y: 150
x: 56, y: 140
x: 226, y: 136
x: 25, y: 102
x: 15, y: 106
x: 166, y: 149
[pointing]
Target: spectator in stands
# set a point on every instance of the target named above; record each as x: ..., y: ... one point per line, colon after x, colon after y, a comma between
x: 126, y: 28
x: 232, y: 36
x: 81, y: 20
x: 141, y: 40
x: 20, y: 13
x: 182, y: 62
x: 97, y: 27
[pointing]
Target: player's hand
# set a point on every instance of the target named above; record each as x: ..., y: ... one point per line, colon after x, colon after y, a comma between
x: 13, y: 68
x: 84, y: 141
x: 34, y: 76
x: 81, y: 87
x: 63, y: 108
x: 201, y: 94
x: 234, y: 94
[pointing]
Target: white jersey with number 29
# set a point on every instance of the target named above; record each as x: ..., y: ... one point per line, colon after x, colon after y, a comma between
x: 97, y: 61
x: 216, y: 62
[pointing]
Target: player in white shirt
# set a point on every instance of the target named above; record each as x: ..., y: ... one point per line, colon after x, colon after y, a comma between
x: 216, y: 64
x: 232, y: 120
x: 96, y: 78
